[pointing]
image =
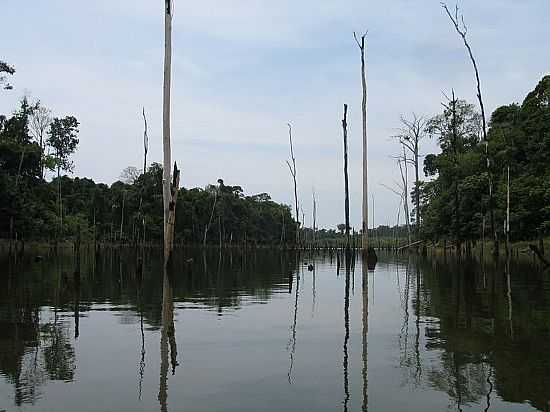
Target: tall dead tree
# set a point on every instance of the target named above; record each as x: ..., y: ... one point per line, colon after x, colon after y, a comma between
x: 170, y: 183
x: 365, y: 204
x: 410, y: 134
x: 314, y: 215
x: 346, y: 183
x: 145, y: 142
x: 403, y: 169
x: 292, y: 168
x: 460, y: 27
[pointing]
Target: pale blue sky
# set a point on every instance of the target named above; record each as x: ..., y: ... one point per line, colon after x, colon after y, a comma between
x: 243, y: 68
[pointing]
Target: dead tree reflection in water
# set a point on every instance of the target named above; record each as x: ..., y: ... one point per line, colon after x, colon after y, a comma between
x: 167, y: 342
x: 365, y: 330
x: 509, y: 295
x: 404, y: 332
x: 418, y: 304
x: 292, y: 343
x: 346, y: 337
x: 140, y: 307
x: 313, y: 291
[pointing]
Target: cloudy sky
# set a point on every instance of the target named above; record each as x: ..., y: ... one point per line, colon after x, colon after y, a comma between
x: 242, y: 69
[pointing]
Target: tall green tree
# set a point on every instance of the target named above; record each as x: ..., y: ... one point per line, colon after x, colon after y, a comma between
x: 63, y: 139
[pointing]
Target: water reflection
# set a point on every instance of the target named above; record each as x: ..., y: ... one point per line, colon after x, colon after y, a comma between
x: 167, y: 342
x: 457, y: 335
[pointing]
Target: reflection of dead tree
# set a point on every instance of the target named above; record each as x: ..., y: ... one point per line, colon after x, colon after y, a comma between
x: 365, y: 329
x: 292, y: 343
x: 346, y: 340
x: 167, y: 342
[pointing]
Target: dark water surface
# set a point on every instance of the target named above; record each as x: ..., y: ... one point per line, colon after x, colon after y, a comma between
x: 260, y: 332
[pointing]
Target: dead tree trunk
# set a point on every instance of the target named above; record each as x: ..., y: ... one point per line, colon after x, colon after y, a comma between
x: 207, y: 227
x: 404, y: 178
x: 365, y: 204
x: 462, y: 30
x: 169, y: 187
x: 346, y: 184
x: 314, y: 216
x: 292, y: 168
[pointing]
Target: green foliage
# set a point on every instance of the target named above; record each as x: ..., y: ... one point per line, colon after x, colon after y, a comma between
x: 5, y: 70
x: 519, y: 138
x: 63, y: 140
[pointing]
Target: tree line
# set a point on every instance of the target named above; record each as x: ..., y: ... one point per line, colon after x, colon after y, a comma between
x: 454, y: 202
x: 32, y: 142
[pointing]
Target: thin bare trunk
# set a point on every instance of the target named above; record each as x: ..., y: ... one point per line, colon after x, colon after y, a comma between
x: 314, y: 216
x: 207, y: 228
x: 122, y: 216
x: 365, y: 225
x: 346, y: 183
x: 292, y: 168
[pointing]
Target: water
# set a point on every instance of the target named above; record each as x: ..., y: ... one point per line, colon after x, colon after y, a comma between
x: 259, y: 331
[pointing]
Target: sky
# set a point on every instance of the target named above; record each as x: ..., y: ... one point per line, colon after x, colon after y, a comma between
x: 243, y: 69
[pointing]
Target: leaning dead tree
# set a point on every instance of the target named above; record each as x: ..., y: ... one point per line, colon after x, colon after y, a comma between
x: 346, y: 184
x: 170, y: 183
x: 410, y: 134
x: 292, y: 168
x: 365, y: 204
x: 457, y: 20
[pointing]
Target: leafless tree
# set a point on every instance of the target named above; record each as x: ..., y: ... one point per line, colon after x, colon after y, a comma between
x: 411, y: 132
x: 170, y: 183
x: 457, y: 19
x: 314, y: 214
x: 130, y: 175
x: 346, y: 184
x: 292, y: 168
x: 365, y: 204
x: 207, y: 227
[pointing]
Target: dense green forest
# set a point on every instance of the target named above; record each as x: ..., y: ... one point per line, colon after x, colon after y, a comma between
x: 454, y: 201
x: 455, y: 204
x: 33, y: 208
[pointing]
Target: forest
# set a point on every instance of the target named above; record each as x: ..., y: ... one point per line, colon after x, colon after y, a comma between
x: 471, y: 190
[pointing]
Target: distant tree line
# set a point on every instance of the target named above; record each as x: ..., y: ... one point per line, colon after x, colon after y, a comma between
x: 33, y: 208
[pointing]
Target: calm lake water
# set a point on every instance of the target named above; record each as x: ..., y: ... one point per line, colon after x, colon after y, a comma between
x: 261, y: 332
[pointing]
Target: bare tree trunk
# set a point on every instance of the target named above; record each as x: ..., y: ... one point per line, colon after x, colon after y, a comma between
x: 404, y: 177
x: 314, y: 216
x: 365, y: 225
x: 207, y: 228
x: 293, y: 173
x: 508, y: 212
x: 346, y: 184
x: 122, y: 217
x: 167, y: 161
x: 145, y: 142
